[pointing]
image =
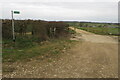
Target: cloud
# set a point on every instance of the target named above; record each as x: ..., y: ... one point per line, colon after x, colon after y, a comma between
x: 75, y: 11
x: 59, y: 0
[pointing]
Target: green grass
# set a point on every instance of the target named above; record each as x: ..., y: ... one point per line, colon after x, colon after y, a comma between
x: 101, y: 30
x: 98, y: 29
x: 71, y: 31
x: 24, y: 52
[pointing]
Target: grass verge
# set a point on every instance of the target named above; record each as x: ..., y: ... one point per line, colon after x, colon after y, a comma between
x: 51, y: 47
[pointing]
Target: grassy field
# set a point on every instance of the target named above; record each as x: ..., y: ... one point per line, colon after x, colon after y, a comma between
x: 30, y: 50
x: 101, y: 30
x: 81, y: 24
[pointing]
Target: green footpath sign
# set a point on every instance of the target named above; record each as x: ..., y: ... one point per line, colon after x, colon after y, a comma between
x: 16, y: 12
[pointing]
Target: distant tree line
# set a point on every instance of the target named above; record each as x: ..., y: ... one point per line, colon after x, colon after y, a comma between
x: 42, y: 30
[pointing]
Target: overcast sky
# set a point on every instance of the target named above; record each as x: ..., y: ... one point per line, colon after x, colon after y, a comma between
x: 62, y: 10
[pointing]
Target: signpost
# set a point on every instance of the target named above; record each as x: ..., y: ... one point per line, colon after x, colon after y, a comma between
x: 13, y: 27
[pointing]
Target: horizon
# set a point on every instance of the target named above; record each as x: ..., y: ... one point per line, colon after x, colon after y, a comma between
x: 66, y: 21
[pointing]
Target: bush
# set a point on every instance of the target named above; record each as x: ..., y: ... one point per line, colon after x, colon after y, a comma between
x: 7, y: 29
x: 42, y: 30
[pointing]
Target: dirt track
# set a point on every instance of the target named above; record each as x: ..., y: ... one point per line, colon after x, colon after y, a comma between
x: 91, y: 37
x: 95, y: 56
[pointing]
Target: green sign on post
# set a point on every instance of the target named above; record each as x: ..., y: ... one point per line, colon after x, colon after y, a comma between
x: 16, y: 12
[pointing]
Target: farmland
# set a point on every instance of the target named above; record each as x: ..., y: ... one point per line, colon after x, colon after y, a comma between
x: 98, y: 28
x: 102, y: 30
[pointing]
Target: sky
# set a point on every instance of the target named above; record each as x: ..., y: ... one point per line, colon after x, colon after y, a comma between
x: 62, y: 10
